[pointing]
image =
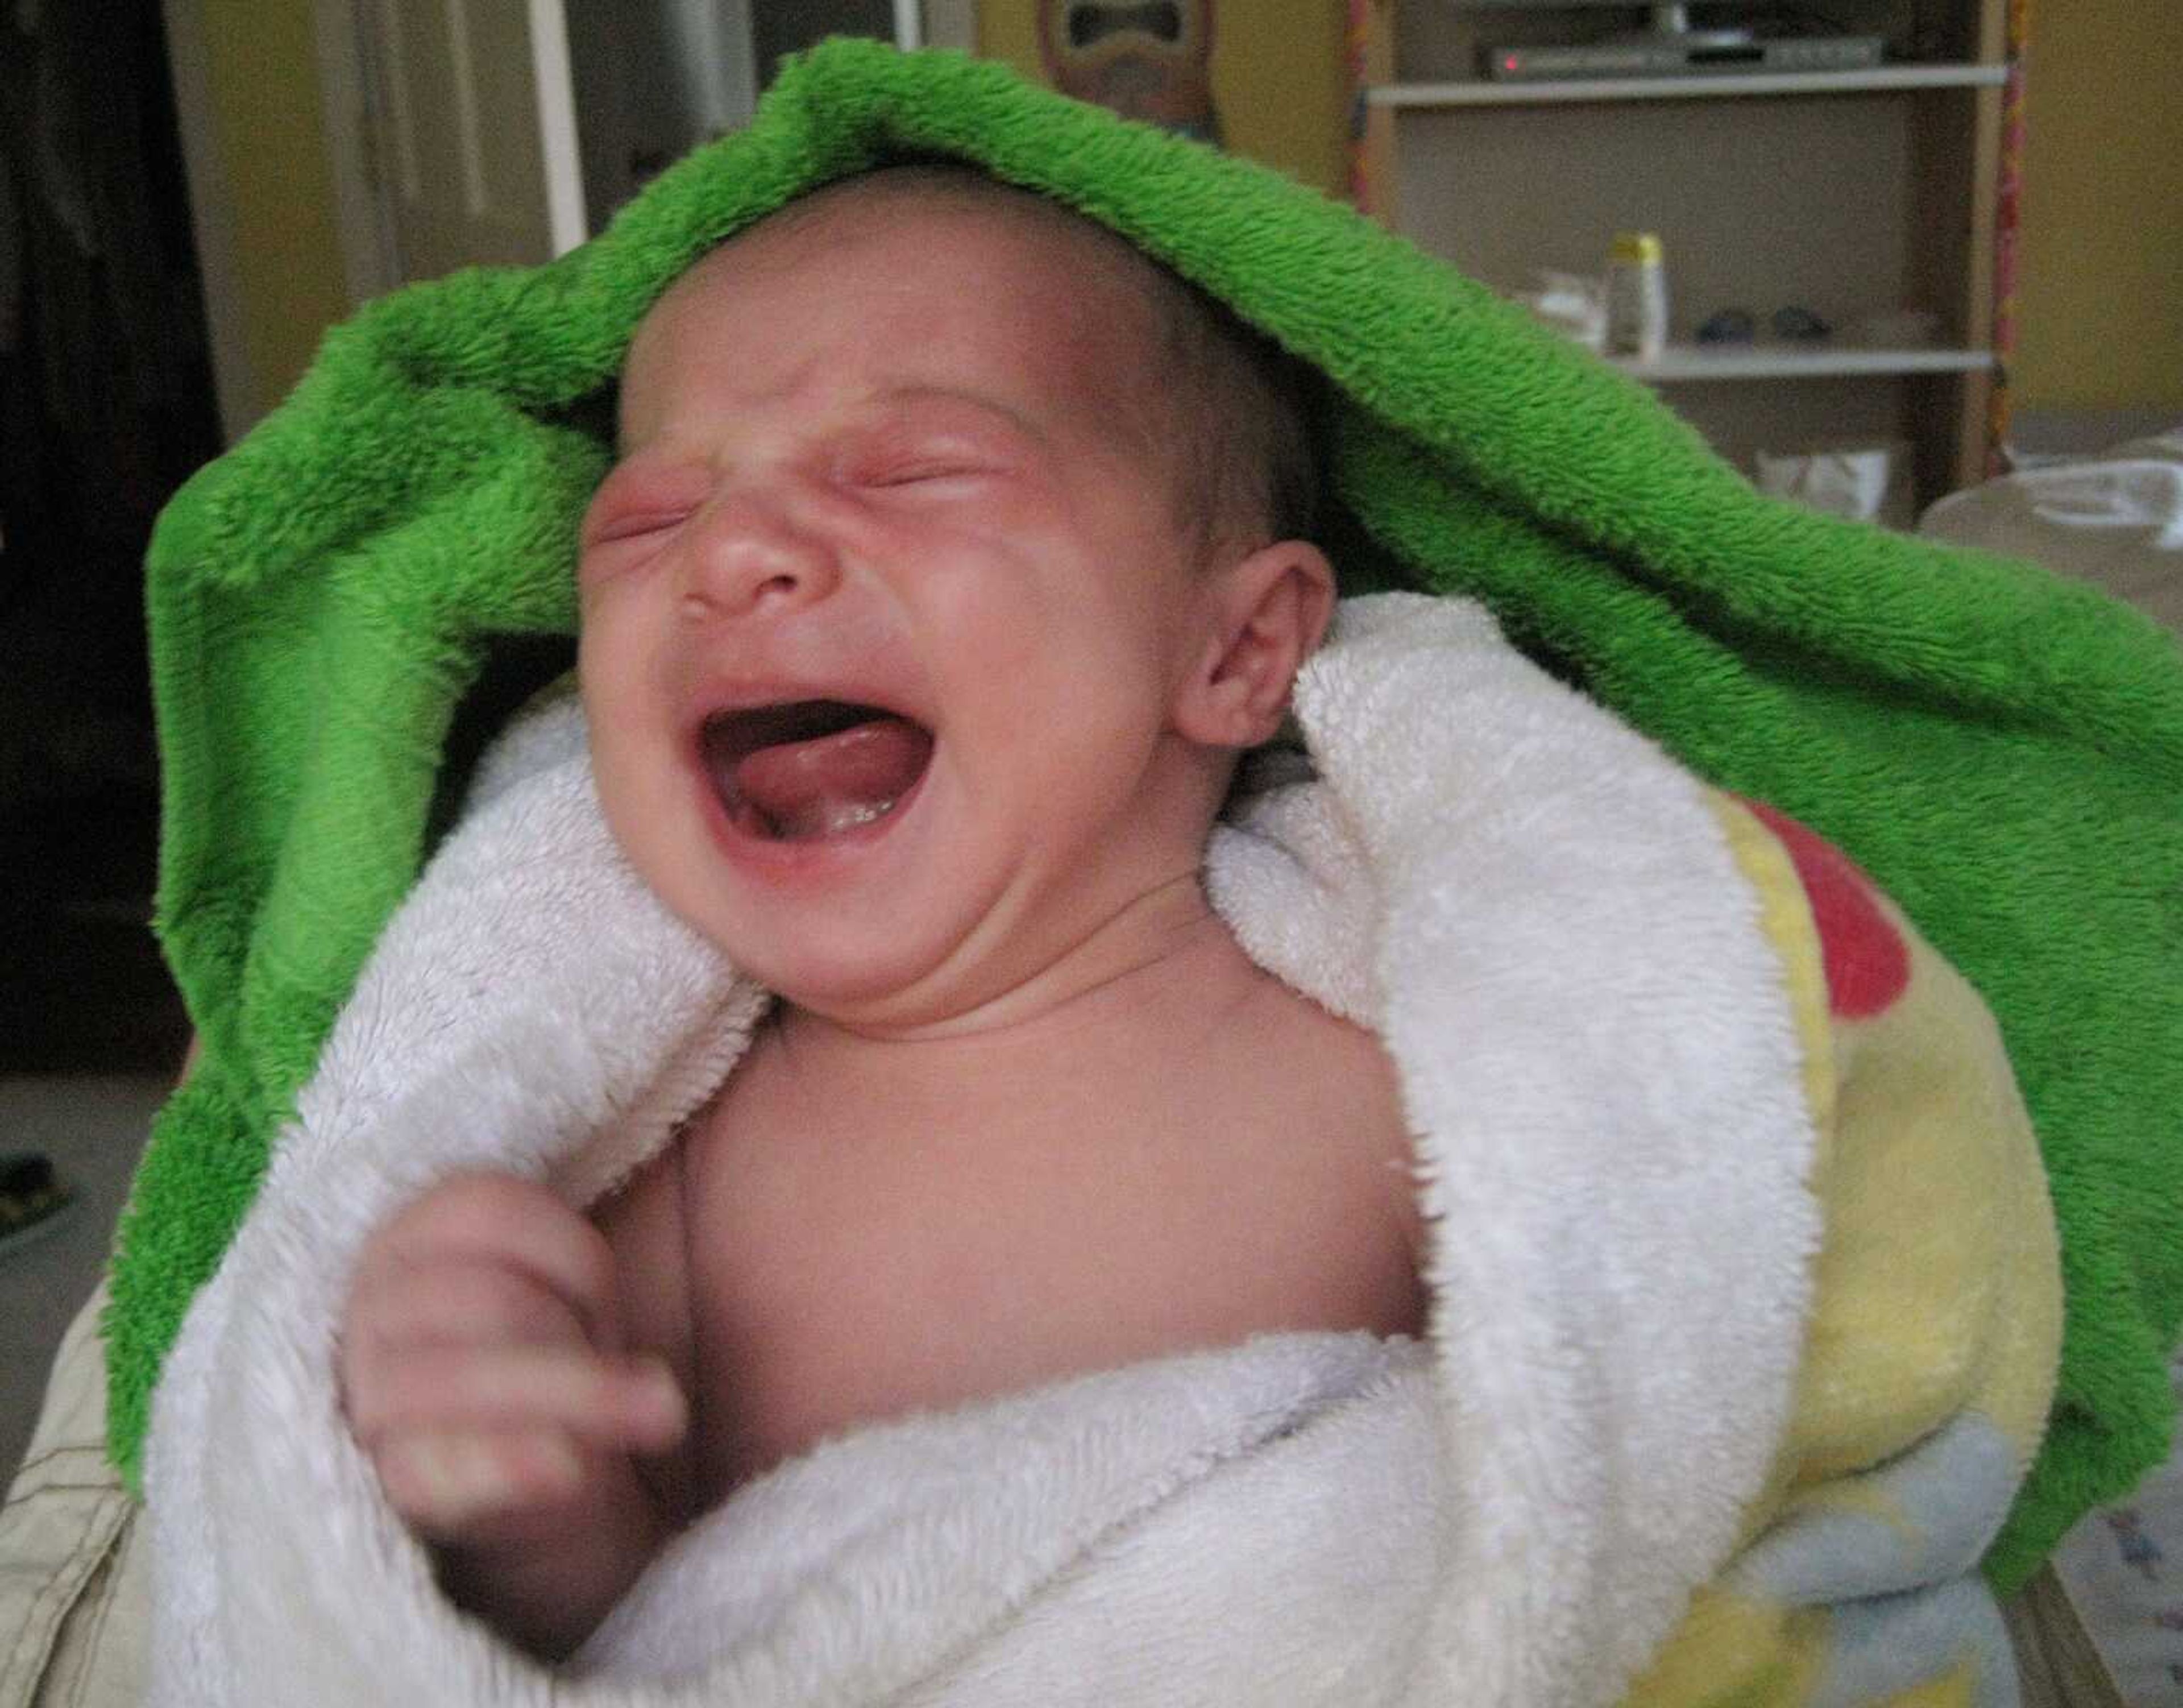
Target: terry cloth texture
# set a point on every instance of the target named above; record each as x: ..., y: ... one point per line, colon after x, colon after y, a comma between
x: 1745, y: 1310
x: 2002, y: 751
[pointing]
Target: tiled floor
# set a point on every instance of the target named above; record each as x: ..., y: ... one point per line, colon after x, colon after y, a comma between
x: 93, y: 1126
x: 2122, y: 1567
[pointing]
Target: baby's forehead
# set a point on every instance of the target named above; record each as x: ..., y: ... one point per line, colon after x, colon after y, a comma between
x: 1077, y: 280
x: 1087, y: 259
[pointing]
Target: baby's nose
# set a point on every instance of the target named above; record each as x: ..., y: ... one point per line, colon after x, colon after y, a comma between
x: 753, y: 556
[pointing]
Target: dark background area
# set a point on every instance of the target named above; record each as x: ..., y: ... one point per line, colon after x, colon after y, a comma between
x: 106, y: 406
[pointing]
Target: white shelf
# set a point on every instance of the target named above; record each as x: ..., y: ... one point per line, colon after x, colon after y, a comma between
x: 1482, y: 93
x: 1707, y: 362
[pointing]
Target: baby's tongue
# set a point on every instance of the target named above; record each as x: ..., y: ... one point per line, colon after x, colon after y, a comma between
x: 831, y: 783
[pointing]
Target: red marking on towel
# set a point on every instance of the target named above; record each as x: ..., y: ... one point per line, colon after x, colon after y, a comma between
x: 1867, y: 964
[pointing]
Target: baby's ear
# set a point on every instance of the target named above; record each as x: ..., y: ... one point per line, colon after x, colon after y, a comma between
x: 1268, y: 612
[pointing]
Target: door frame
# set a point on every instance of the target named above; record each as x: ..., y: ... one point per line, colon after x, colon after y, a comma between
x: 212, y: 218
x: 368, y: 257
x: 365, y: 223
x: 369, y: 261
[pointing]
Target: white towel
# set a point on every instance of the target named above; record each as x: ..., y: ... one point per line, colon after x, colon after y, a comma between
x: 1538, y: 913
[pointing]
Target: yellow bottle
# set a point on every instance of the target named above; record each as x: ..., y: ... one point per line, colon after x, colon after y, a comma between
x: 1637, y: 297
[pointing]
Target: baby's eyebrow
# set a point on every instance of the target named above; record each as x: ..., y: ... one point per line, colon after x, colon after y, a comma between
x: 918, y: 390
x: 628, y: 464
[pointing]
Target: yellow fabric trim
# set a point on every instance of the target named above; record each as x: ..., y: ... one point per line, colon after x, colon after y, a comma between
x: 1935, y: 1297
x: 1733, y: 1653
x: 1952, y: 1689
x: 1786, y: 917
x: 1937, y: 1289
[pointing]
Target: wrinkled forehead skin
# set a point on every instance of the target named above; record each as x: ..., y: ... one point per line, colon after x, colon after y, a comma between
x: 1000, y: 262
x: 895, y: 165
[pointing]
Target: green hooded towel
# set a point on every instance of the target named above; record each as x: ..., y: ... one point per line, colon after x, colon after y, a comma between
x: 2001, y: 750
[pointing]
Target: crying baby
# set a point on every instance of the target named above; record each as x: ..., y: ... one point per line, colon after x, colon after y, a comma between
x: 953, y: 556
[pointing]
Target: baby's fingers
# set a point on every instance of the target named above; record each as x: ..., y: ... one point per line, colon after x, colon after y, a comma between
x: 449, y: 1485
x: 515, y: 1225
x: 629, y: 1404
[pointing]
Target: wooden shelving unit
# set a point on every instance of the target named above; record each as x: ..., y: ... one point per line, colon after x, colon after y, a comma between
x: 1857, y: 195
x: 1718, y: 87
x: 1693, y: 364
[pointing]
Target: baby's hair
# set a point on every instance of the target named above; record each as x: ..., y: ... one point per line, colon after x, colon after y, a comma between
x: 1243, y: 417
x: 1237, y: 406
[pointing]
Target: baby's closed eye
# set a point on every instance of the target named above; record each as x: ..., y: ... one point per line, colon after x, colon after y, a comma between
x: 636, y: 526
x: 924, y: 473
x: 895, y: 460
x: 635, y: 501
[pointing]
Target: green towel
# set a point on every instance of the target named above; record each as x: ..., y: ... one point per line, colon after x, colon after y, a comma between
x: 2003, y: 750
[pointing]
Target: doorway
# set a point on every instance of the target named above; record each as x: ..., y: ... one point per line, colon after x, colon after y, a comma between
x: 106, y: 406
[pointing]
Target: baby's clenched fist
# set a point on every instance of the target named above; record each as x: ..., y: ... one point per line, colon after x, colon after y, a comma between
x: 483, y: 1368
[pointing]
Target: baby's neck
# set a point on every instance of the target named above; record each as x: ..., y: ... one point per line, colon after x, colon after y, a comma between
x: 1165, y: 968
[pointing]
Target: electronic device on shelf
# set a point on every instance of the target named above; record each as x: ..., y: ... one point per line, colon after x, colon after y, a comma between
x: 1673, y: 47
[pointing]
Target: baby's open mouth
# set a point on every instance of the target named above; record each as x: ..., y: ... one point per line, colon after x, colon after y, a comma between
x: 807, y: 770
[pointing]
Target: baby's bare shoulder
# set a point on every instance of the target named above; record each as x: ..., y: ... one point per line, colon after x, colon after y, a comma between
x: 1318, y: 1064
x: 1313, y: 1103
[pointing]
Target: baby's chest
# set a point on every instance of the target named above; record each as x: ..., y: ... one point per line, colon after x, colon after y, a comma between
x: 846, y: 1271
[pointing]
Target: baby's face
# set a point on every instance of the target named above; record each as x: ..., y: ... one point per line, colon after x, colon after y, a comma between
x: 887, y: 604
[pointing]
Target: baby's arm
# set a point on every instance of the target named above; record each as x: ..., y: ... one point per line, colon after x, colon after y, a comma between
x: 483, y: 1367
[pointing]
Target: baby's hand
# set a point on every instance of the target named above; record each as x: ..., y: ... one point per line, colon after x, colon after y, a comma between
x: 483, y: 1372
